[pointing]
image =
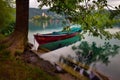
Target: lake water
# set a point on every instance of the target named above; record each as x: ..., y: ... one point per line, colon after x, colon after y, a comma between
x: 112, y: 70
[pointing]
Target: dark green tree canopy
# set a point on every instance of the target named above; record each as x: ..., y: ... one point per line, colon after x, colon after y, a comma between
x: 92, y: 15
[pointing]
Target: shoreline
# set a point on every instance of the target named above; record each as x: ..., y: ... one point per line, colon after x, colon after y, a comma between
x: 32, y: 58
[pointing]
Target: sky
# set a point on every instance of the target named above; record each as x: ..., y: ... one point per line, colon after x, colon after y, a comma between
x: 34, y: 3
x: 114, y: 2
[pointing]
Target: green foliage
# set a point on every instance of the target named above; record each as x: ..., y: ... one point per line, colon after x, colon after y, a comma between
x: 38, y: 17
x: 100, y: 53
x: 8, y: 29
x: 6, y: 13
x: 92, y: 17
x: 1, y: 36
x: 40, y: 20
x: 4, y: 54
x: 74, y: 47
x: 12, y: 70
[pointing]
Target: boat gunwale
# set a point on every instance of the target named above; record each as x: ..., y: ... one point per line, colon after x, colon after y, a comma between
x: 45, y: 35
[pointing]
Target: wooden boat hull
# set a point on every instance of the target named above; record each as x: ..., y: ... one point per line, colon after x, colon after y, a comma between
x: 61, y: 43
x: 47, y: 38
x: 58, y: 39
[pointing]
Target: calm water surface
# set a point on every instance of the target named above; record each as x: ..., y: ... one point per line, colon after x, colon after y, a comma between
x: 112, y: 70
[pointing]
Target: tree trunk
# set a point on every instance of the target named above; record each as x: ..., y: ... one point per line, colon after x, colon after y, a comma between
x: 18, y: 40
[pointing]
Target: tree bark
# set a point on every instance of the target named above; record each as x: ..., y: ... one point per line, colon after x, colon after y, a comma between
x: 21, y: 29
x: 19, y: 38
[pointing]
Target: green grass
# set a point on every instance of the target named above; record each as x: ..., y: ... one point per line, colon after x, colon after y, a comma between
x: 1, y: 36
x: 12, y: 69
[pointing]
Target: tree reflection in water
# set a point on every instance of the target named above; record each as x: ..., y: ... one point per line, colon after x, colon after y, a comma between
x: 43, y: 23
x: 100, y: 53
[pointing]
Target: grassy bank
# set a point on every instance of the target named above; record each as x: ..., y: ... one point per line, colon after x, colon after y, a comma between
x: 16, y: 69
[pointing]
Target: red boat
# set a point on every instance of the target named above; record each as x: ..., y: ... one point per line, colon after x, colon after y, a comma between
x: 46, y: 38
x: 56, y: 36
